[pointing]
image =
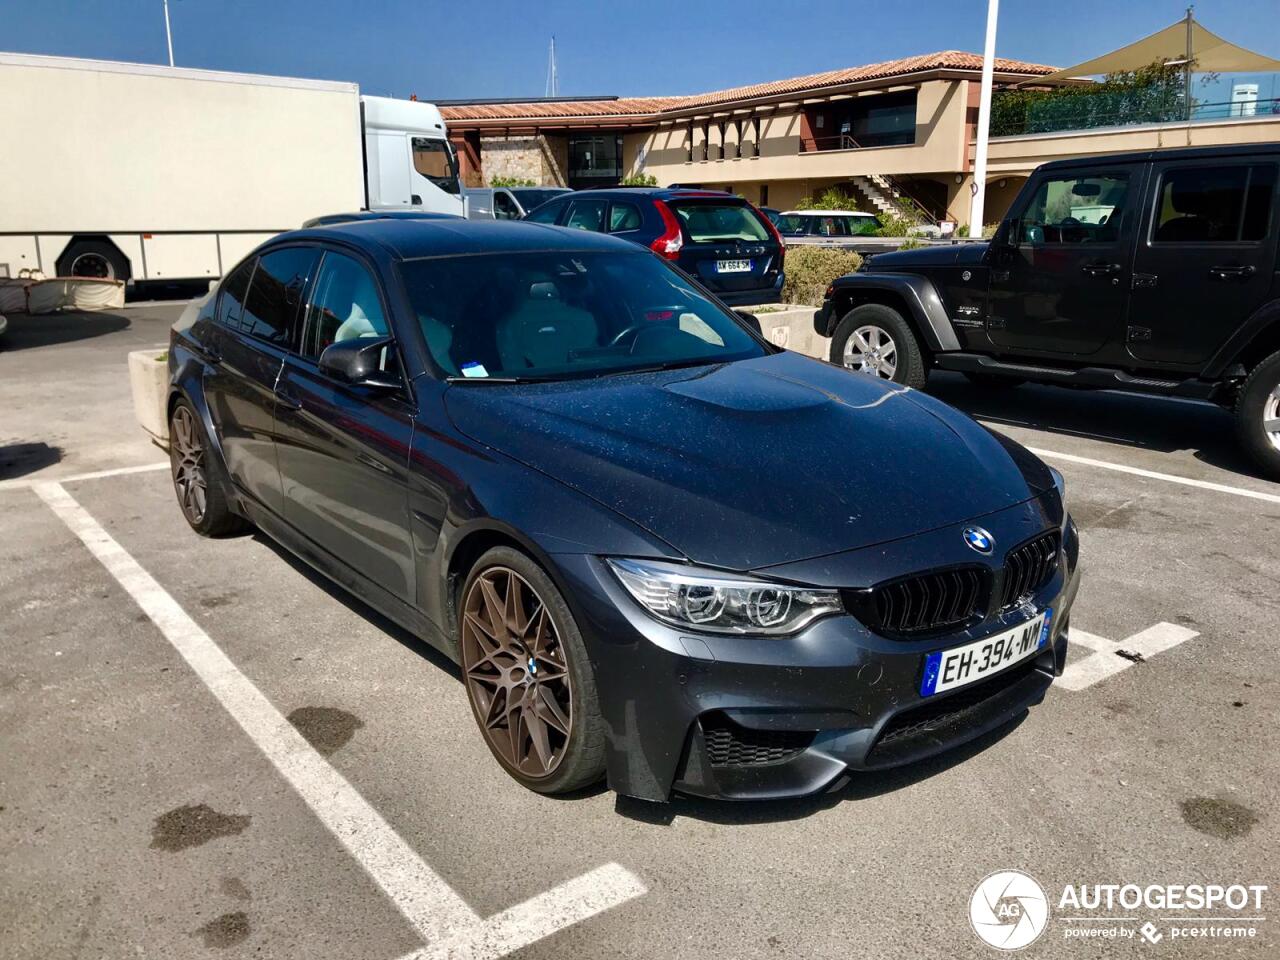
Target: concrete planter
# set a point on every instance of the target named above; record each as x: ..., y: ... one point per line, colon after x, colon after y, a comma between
x: 149, y: 382
x: 792, y: 328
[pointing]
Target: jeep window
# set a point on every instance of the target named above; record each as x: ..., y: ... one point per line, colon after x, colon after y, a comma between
x: 1214, y: 204
x: 1080, y: 209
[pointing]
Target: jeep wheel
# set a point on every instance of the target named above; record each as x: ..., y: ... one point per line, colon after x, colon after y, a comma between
x: 1258, y: 415
x: 876, y: 340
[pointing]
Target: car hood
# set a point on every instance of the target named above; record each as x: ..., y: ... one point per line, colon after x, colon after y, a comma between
x: 759, y: 462
x: 933, y: 255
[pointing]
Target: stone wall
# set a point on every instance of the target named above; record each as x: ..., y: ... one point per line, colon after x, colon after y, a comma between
x: 525, y: 158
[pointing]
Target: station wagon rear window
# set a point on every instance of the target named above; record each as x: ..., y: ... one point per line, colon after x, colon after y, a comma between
x: 712, y: 222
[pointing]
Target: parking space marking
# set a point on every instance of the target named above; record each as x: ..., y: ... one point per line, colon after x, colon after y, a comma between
x: 439, y: 915
x: 24, y: 484
x: 1152, y: 474
x: 1106, y: 662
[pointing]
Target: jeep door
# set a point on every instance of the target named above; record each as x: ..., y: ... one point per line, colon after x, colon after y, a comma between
x: 1206, y: 257
x: 1060, y: 268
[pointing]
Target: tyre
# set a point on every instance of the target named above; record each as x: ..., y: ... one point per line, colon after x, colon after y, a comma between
x: 876, y: 340
x: 527, y: 675
x: 199, y: 479
x: 93, y: 258
x: 1258, y: 415
x: 993, y: 381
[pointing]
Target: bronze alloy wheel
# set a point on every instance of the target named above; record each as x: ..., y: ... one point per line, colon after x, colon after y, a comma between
x: 187, y: 460
x: 516, y: 673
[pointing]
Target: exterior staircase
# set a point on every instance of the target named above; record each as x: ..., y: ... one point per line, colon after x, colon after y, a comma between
x: 885, y: 197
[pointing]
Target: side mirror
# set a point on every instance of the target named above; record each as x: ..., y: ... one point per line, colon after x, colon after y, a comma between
x: 358, y: 362
x: 751, y: 320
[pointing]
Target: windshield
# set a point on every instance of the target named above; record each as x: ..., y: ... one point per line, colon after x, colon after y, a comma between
x: 714, y: 222
x: 531, y: 197
x: 436, y: 161
x: 554, y: 315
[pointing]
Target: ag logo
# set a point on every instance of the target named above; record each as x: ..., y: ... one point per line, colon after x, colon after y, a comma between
x: 1008, y: 910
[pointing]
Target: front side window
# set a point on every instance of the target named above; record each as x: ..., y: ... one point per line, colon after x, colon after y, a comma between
x: 504, y: 207
x: 559, y: 315
x: 547, y: 213
x: 716, y: 222
x: 344, y: 305
x: 1214, y: 204
x: 587, y: 215
x: 276, y: 291
x: 1077, y: 209
x: 435, y: 160
x: 232, y: 293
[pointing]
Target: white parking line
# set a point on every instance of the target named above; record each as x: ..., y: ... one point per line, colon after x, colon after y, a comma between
x: 1171, y: 478
x: 439, y: 915
x: 26, y: 483
x: 1105, y: 662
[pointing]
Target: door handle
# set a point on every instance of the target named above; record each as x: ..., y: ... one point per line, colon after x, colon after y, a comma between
x: 212, y: 356
x: 369, y: 461
x: 1231, y: 273
x: 286, y: 400
x: 1100, y: 269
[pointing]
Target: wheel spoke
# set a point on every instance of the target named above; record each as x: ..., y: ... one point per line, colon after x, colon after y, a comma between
x: 514, y: 613
x: 551, y: 711
x: 493, y: 606
x: 538, y: 738
x: 1272, y: 425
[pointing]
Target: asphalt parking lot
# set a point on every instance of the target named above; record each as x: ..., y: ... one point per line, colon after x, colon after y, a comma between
x: 208, y: 751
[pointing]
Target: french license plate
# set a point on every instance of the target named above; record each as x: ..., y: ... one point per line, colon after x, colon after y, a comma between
x: 733, y: 266
x: 948, y: 669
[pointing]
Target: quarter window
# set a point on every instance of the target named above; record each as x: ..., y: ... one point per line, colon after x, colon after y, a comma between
x: 275, y: 293
x: 344, y: 305
x: 232, y: 293
x: 1214, y: 204
x: 1080, y: 209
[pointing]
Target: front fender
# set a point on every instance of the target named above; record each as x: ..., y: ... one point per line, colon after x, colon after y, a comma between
x: 924, y: 307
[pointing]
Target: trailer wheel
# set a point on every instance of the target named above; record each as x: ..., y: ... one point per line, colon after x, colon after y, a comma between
x: 97, y: 259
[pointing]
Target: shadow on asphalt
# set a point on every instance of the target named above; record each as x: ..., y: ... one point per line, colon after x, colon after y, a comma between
x: 860, y: 786
x: 27, y: 331
x: 1206, y: 430
x: 20, y: 459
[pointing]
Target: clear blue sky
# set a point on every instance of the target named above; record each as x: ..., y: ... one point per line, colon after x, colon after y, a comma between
x: 493, y: 48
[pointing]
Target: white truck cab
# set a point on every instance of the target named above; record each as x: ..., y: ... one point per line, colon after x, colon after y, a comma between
x: 409, y: 160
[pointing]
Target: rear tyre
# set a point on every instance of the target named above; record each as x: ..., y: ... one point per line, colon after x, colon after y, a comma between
x: 199, y: 479
x: 1258, y: 415
x: 876, y: 340
x: 993, y: 381
x: 527, y: 674
x: 95, y: 259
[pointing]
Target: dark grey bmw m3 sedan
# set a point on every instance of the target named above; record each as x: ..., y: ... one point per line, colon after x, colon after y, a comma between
x: 662, y: 550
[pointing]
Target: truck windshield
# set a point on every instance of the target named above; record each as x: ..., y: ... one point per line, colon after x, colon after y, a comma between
x: 436, y: 161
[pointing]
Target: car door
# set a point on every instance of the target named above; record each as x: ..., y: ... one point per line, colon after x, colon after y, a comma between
x: 1205, y: 261
x: 343, y: 449
x: 257, y: 308
x: 1060, y: 275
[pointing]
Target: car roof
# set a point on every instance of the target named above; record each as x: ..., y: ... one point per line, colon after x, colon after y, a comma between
x: 408, y: 239
x: 826, y: 213
x: 660, y: 193
x: 329, y: 219
x: 1182, y: 153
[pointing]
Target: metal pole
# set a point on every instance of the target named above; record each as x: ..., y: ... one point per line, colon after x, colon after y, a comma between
x: 1186, y: 67
x: 168, y: 35
x: 984, y: 122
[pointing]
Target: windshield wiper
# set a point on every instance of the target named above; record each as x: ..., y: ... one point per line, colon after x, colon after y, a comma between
x: 672, y: 365
x: 503, y: 379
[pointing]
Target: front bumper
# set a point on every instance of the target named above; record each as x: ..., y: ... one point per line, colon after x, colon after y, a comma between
x: 740, y: 717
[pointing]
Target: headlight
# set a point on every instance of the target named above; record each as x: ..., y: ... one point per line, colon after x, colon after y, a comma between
x: 722, y: 603
x: 1059, y: 484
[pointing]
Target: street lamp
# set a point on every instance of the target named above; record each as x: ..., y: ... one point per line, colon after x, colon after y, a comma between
x: 984, y: 123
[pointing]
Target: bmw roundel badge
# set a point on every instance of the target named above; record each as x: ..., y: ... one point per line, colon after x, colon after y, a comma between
x: 978, y: 539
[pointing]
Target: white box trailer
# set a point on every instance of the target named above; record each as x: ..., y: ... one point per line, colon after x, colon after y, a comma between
x: 149, y: 173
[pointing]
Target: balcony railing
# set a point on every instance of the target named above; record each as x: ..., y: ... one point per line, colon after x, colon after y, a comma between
x: 1097, y: 112
x: 845, y: 142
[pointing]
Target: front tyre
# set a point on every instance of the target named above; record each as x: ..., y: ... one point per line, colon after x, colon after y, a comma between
x: 199, y: 480
x: 1258, y: 415
x: 528, y: 678
x: 876, y: 340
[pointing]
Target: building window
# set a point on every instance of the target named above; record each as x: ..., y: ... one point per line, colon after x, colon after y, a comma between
x: 882, y: 121
x: 595, y: 161
x: 764, y: 194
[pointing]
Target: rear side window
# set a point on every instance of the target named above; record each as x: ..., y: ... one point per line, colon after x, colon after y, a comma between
x: 275, y: 293
x: 716, y: 222
x: 231, y: 295
x: 344, y: 305
x: 587, y: 215
x: 624, y: 216
x: 547, y: 213
x: 1214, y: 204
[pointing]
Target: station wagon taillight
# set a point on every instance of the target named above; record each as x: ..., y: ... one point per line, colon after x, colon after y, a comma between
x: 669, y: 243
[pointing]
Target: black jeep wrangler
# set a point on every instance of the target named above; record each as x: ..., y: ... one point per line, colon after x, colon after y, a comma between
x: 1153, y: 272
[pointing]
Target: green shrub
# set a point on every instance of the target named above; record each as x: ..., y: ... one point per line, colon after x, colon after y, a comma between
x: 512, y: 182
x: 830, y: 199
x: 640, y: 180
x: 810, y: 269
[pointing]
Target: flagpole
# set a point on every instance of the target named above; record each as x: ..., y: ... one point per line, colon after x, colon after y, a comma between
x: 984, y: 122
x: 168, y: 34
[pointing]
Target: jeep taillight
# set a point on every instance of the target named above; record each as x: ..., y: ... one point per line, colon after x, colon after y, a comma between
x: 669, y: 243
